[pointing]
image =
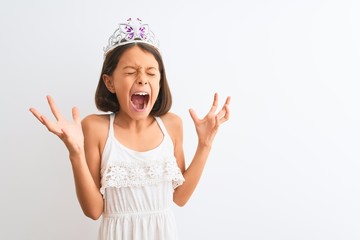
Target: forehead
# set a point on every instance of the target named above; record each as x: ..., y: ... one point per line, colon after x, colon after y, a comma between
x: 137, y: 57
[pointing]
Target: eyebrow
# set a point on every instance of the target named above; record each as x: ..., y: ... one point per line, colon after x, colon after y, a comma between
x: 132, y: 67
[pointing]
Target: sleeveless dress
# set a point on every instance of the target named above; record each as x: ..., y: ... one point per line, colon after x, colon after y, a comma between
x: 137, y: 188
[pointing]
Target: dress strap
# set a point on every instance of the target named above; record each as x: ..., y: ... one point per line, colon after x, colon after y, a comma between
x: 111, y: 127
x: 162, y: 126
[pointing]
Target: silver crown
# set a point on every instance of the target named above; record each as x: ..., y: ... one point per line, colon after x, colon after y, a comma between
x: 130, y: 32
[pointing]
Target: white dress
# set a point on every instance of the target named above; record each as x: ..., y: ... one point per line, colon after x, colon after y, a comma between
x: 138, y: 190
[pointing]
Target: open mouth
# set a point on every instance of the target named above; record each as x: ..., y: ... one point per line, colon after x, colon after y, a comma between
x: 140, y: 100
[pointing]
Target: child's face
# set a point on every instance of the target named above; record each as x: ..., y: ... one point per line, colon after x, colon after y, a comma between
x: 136, y: 82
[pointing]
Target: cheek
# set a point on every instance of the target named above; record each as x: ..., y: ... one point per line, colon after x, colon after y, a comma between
x: 156, y: 85
x: 158, y: 82
x: 124, y: 84
x: 155, y: 88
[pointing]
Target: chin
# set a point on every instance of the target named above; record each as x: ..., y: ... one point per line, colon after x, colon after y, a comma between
x: 137, y: 114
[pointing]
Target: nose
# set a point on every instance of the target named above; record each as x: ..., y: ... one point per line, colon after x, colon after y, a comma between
x: 141, y: 80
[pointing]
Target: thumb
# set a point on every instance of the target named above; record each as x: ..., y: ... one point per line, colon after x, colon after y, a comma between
x: 65, y: 132
x: 193, y: 115
x: 76, y: 115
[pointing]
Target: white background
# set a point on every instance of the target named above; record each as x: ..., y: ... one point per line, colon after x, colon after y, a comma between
x: 286, y: 166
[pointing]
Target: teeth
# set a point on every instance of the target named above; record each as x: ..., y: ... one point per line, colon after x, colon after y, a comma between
x: 141, y: 93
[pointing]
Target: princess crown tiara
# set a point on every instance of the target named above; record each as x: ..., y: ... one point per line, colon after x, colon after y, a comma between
x: 131, y: 32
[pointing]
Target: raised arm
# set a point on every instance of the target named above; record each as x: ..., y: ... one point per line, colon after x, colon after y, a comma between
x: 86, y: 179
x: 206, y: 130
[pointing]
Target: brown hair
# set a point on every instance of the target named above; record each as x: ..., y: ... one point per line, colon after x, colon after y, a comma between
x: 106, y: 101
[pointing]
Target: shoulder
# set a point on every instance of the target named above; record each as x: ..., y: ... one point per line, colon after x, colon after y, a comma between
x: 171, y: 120
x: 173, y: 124
x: 95, y: 119
x: 95, y: 124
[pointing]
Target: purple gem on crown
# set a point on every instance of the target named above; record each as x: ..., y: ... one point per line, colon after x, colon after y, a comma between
x: 142, y: 32
x: 131, y: 31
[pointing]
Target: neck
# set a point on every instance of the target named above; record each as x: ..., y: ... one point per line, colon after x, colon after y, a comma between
x: 125, y: 121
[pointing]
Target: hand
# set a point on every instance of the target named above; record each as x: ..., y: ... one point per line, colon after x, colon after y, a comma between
x: 207, y: 127
x: 70, y: 133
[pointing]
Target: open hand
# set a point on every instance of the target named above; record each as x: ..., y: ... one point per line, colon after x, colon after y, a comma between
x: 207, y: 127
x: 70, y: 133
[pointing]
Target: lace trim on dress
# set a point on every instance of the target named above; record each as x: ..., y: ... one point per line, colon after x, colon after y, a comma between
x: 124, y: 174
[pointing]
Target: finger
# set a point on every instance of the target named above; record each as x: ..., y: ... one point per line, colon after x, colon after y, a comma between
x: 215, y: 104
x: 51, y: 126
x: 227, y: 102
x: 76, y: 115
x: 53, y: 108
x: 194, y: 116
x: 227, y: 114
x: 37, y: 114
x: 227, y: 110
x: 65, y: 132
x: 222, y: 112
x: 217, y: 121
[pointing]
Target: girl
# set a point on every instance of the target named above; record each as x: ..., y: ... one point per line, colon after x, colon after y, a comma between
x: 129, y: 165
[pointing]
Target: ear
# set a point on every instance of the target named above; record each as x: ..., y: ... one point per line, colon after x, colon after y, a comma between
x: 109, y: 83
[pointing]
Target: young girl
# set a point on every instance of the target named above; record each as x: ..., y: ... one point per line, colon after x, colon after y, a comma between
x: 129, y: 165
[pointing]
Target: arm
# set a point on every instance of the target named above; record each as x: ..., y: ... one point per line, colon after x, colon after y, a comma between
x: 85, y: 164
x: 87, y: 171
x: 206, y: 129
